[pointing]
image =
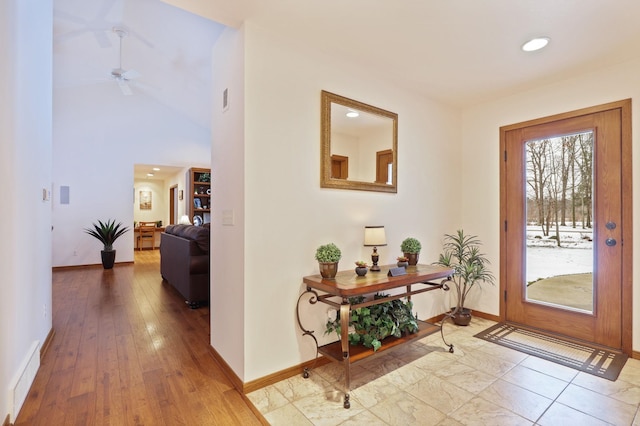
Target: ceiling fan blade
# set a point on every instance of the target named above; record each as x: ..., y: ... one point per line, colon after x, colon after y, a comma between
x: 102, y: 39
x: 124, y: 87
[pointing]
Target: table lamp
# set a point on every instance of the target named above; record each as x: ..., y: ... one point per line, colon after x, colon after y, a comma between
x: 373, y: 237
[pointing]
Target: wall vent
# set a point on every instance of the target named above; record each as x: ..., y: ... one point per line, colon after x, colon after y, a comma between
x: 22, y: 383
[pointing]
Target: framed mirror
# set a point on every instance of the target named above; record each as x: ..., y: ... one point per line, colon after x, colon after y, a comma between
x: 359, y: 145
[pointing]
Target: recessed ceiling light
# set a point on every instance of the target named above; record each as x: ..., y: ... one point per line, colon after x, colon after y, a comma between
x: 149, y: 174
x: 535, y: 44
x: 352, y: 114
x: 156, y: 169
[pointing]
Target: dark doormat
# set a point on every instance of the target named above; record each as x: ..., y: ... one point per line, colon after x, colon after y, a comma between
x: 597, y: 361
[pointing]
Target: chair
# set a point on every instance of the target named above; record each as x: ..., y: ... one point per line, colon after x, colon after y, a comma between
x: 146, y: 232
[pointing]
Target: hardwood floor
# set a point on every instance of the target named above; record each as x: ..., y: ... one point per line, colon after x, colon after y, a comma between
x: 128, y: 351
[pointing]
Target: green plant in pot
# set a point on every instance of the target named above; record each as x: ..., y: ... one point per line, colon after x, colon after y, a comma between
x: 462, y: 253
x: 328, y: 256
x: 403, y: 261
x: 361, y: 268
x: 107, y: 233
x: 411, y: 248
x: 374, y: 323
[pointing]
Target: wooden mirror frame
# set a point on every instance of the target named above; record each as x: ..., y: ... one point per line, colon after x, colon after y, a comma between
x: 326, y: 181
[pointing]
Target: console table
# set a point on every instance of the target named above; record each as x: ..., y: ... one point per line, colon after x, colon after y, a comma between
x: 337, y: 293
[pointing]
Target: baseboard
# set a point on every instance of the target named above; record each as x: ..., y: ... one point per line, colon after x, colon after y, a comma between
x: 635, y: 355
x: 483, y: 315
x: 227, y: 370
x: 92, y: 265
x: 47, y: 343
x: 237, y: 384
x: 283, y: 374
x: 478, y: 314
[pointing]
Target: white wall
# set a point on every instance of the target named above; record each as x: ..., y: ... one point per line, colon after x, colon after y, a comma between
x: 228, y: 189
x: 99, y: 134
x: 25, y: 170
x: 287, y: 213
x: 480, y: 191
x: 159, y: 201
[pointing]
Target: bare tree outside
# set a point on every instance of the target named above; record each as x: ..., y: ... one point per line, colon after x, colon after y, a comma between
x: 559, y: 182
x: 559, y: 185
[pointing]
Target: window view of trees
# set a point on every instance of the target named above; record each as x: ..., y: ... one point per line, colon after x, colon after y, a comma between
x: 559, y: 183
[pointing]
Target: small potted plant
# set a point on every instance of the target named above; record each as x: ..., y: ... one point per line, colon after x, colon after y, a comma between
x: 107, y: 233
x: 328, y: 256
x: 411, y: 248
x: 361, y: 268
x: 403, y: 261
x: 470, y: 268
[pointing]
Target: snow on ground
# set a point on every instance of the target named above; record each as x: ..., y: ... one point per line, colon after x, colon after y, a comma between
x: 545, y: 259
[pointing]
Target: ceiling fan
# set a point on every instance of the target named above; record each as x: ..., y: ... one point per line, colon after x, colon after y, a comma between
x: 120, y: 75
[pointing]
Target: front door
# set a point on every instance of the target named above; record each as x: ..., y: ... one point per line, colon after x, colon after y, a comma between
x: 566, y: 207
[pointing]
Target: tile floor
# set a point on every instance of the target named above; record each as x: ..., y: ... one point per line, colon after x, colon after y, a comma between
x: 421, y: 383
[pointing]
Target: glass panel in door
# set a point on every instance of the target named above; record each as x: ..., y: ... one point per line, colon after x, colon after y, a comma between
x: 559, y: 221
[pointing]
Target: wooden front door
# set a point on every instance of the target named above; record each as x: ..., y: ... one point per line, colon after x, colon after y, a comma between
x: 536, y: 188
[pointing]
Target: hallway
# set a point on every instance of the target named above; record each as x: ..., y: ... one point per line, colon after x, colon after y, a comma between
x: 127, y: 350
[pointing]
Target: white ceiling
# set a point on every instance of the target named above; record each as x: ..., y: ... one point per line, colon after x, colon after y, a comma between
x: 461, y: 52
x: 168, y: 47
x: 140, y: 171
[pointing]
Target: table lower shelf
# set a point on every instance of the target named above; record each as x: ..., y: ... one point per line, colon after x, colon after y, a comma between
x: 333, y: 350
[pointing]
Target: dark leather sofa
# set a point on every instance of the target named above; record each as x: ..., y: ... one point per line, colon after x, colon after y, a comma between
x: 184, y: 261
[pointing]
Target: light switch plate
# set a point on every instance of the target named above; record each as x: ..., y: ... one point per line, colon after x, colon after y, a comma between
x: 228, y: 218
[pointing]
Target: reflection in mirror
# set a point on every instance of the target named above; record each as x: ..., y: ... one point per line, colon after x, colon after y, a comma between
x: 359, y: 145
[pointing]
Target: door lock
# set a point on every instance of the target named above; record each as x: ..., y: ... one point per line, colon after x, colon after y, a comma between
x: 610, y: 242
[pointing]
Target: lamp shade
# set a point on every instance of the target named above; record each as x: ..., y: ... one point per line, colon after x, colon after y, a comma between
x: 184, y: 220
x: 374, y: 236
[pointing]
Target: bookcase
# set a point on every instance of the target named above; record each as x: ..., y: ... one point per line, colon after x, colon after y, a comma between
x: 198, y: 197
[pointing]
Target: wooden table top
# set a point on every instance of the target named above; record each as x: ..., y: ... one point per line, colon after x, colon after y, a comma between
x: 348, y: 284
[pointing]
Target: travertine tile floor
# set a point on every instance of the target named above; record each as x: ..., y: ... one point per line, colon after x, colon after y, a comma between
x: 421, y: 383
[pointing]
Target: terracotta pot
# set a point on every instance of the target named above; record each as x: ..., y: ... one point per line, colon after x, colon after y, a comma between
x: 462, y: 316
x: 403, y: 264
x: 328, y: 270
x: 413, y: 258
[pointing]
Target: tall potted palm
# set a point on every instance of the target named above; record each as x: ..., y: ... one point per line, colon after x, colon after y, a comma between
x: 107, y: 232
x: 462, y: 253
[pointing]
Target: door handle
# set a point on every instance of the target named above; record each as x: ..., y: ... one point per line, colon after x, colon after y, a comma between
x: 610, y: 242
x: 610, y: 226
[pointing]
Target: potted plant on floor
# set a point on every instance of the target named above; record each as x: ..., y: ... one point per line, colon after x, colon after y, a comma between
x: 328, y: 256
x: 107, y: 232
x: 411, y: 248
x: 462, y: 253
